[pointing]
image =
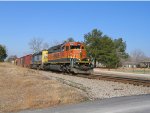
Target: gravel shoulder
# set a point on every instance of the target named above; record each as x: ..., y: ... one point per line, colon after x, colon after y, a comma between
x: 98, y: 89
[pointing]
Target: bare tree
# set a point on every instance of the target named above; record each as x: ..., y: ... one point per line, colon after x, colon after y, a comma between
x: 11, y: 58
x: 137, y: 56
x: 36, y: 44
x: 45, y: 46
x: 55, y: 42
x: 70, y: 39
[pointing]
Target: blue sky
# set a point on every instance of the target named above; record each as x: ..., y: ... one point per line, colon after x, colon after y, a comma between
x: 56, y: 21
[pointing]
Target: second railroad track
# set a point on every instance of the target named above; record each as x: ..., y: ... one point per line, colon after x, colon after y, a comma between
x: 109, y: 77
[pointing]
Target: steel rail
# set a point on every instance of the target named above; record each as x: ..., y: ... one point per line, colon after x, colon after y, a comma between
x: 109, y: 77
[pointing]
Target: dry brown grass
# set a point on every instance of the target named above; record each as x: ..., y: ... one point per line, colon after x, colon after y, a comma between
x: 22, y: 88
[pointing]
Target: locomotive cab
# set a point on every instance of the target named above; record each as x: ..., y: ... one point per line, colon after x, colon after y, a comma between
x: 78, y: 60
x: 75, y: 50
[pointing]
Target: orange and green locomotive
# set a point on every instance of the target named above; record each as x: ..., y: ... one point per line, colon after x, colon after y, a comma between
x: 69, y: 57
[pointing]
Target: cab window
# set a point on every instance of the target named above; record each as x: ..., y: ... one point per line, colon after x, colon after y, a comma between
x: 67, y: 48
x: 63, y: 48
x: 74, y: 47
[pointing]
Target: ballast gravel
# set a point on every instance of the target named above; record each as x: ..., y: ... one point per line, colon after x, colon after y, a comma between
x: 98, y: 89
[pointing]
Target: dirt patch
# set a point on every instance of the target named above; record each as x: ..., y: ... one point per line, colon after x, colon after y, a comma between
x: 22, y: 88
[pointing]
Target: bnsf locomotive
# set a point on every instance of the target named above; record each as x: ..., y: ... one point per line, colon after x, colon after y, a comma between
x: 69, y: 57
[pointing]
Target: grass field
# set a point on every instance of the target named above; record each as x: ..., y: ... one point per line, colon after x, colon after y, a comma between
x: 22, y: 88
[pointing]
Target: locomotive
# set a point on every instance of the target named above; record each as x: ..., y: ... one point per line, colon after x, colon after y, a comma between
x: 69, y: 57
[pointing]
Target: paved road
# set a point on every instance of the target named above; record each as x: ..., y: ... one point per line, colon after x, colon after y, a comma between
x: 132, y: 104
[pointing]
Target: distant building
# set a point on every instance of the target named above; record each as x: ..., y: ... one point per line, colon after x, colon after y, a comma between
x: 146, y: 63
x: 141, y: 64
x: 12, y: 59
x: 99, y: 65
x: 130, y: 64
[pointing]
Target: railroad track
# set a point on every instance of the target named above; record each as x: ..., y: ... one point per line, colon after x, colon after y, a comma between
x: 108, y: 77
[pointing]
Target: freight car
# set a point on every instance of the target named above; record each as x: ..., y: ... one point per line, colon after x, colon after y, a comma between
x: 27, y: 60
x: 20, y: 61
x: 24, y: 61
x: 68, y: 57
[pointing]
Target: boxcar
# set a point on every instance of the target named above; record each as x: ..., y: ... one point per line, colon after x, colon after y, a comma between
x: 18, y: 61
x: 27, y: 60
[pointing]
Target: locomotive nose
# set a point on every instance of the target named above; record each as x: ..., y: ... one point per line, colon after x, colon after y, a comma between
x: 78, y: 54
x: 75, y: 54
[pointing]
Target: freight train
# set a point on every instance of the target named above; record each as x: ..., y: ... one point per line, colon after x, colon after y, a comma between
x: 68, y: 57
